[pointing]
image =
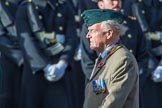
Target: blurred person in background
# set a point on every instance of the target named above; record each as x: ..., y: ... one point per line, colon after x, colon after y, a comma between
x: 149, y: 15
x: 46, y: 31
x: 77, y: 7
x: 11, y: 60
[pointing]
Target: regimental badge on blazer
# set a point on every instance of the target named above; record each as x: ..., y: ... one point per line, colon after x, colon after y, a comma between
x: 99, y: 86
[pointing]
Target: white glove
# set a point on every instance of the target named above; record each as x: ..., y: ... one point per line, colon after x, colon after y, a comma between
x: 157, y: 74
x: 56, y: 71
x: 155, y: 35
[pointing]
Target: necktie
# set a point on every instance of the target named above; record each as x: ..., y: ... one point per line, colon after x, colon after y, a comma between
x: 99, y: 58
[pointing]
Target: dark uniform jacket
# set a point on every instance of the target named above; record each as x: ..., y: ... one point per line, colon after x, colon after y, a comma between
x: 34, y: 20
x: 11, y: 59
x: 54, y: 17
x: 149, y: 15
x: 146, y: 8
x: 9, y: 44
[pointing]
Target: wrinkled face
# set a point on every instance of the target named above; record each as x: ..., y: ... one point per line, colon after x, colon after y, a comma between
x: 96, y: 37
x: 110, y: 4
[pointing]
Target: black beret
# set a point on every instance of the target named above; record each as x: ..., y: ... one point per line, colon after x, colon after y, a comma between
x: 93, y: 16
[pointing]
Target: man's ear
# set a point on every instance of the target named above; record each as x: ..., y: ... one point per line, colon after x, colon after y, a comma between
x: 109, y: 34
x: 100, y: 4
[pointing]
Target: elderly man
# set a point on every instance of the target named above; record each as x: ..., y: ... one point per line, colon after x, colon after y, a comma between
x: 114, y: 79
x: 133, y: 39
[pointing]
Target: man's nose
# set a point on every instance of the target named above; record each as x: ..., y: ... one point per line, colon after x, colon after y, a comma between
x: 88, y: 35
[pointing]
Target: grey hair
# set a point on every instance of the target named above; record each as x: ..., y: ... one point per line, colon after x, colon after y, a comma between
x: 115, y: 25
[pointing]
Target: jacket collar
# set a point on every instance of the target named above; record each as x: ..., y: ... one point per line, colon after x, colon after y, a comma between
x: 101, y: 64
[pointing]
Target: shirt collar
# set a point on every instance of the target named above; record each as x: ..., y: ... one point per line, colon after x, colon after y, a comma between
x: 104, y: 53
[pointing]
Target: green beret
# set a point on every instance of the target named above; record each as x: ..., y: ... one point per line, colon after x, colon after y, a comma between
x: 93, y: 16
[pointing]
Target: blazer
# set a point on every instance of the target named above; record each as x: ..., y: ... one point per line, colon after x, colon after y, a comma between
x: 118, y: 71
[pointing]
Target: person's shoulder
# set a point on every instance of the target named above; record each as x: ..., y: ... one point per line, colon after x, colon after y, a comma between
x: 130, y: 18
x: 132, y: 22
x: 123, y: 51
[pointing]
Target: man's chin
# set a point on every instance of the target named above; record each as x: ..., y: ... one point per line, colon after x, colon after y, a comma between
x: 92, y: 48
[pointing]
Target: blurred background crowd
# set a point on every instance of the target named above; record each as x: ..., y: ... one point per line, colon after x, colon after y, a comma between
x: 46, y: 63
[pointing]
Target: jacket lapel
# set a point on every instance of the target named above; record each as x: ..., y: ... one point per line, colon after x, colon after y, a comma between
x: 101, y: 64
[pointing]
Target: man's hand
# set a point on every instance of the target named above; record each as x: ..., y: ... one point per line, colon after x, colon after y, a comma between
x: 56, y: 71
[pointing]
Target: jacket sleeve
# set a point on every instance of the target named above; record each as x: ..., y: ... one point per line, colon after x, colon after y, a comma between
x: 70, y: 33
x: 136, y: 8
x: 31, y: 50
x: 10, y: 47
x: 142, y: 55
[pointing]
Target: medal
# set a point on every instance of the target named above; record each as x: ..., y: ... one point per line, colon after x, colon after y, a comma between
x: 99, y: 86
x: 102, y: 86
x: 95, y: 86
